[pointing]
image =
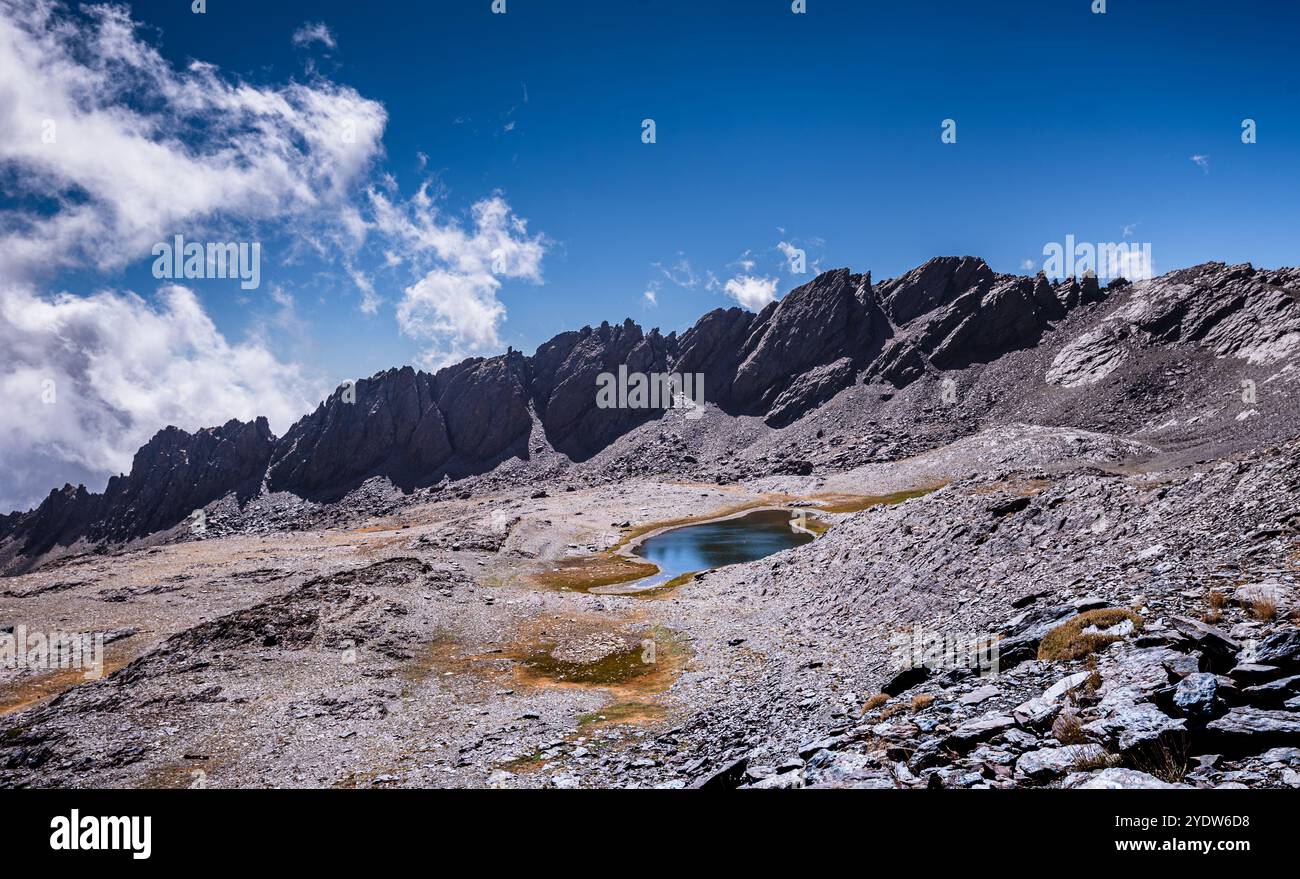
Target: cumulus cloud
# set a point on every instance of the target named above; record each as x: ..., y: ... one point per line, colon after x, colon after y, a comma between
x: 751, y: 292
x: 314, y: 32
x: 458, y: 311
x: 131, y: 151
x: 453, y: 306
x: 106, y: 149
x: 88, y: 379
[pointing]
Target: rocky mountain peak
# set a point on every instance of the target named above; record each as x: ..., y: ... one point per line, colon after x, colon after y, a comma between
x: 949, y: 315
x: 929, y: 286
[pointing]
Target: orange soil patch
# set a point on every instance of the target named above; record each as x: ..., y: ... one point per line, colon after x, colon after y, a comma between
x: 584, y: 573
x: 1022, y: 487
x: 636, y: 663
x: 34, y: 689
x: 850, y: 503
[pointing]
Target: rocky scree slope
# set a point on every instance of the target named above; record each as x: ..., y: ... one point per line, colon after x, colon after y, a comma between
x: 1163, y: 357
x: 1188, y: 578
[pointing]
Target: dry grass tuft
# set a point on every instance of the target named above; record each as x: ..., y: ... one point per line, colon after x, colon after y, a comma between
x: 840, y: 503
x: 1264, y: 609
x: 1069, y: 640
x: 1166, y: 759
x: 1092, y: 683
x: 1068, y: 730
x: 584, y: 573
x: 922, y: 701
x: 1215, y: 602
x: 1086, y: 762
x: 874, y: 702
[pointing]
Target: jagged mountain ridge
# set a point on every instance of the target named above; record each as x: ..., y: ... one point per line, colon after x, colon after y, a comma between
x: 792, y: 357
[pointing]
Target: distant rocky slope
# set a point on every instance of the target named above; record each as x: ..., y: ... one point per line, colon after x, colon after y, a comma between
x: 172, y: 475
x: 1190, y: 572
x: 1155, y: 359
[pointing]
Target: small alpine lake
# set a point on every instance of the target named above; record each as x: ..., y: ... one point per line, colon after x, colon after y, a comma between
x: 707, y: 545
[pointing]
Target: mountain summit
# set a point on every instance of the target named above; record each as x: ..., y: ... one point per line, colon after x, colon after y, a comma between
x: 1123, y: 358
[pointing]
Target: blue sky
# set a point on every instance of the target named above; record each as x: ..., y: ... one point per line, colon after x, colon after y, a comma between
x: 821, y: 130
x: 824, y: 125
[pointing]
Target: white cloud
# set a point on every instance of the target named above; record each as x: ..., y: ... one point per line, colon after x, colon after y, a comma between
x: 680, y: 272
x: 745, y: 262
x: 1203, y: 162
x: 107, y: 149
x: 790, y: 252
x: 650, y: 298
x: 458, y: 311
x: 143, y: 151
x: 454, y: 305
x: 314, y: 32
x: 369, y: 296
x: 1027, y: 265
x: 121, y: 369
x: 1133, y: 263
x: 751, y: 292
x: 92, y: 119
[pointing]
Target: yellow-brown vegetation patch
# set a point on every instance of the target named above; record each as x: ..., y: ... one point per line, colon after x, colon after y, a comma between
x: 584, y: 573
x: 851, y: 503
x: 34, y: 689
x: 1069, y: 640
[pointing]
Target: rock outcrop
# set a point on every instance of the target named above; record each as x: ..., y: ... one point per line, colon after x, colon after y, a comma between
x: 485, y: 405
x: 832, y: 317
x: 564, y: 373
x: 176, y: 473
x: 954, y: 312
x: 389, y: 424
x: 1233, y: 311
x: 952, y: 316
x: 172, y: 475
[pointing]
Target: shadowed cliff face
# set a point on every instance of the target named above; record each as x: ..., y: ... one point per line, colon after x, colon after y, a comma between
x: 564, y: 373
x: 795, y: 355
x: 388, y: 424
x: 485, y: 405
x: 953, y: 312
x: 407, y: 426
x: 178, y: 472
x: 810, y: 346
x: 172, y: 475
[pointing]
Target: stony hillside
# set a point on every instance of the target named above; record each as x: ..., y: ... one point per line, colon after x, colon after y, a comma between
x: 1059, y: 545
x: 1191, y: 572
x: 882, y: 370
